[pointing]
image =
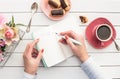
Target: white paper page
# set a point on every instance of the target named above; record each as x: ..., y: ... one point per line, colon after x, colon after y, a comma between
x: 52, y: 51
x: 65, y: 25
x: 66, y: 50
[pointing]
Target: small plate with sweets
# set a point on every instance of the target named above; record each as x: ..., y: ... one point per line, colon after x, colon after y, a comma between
x: 55, y: 9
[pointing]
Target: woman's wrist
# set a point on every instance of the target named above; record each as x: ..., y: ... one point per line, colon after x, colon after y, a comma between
x: 30, y: 71
x: 83, y: 57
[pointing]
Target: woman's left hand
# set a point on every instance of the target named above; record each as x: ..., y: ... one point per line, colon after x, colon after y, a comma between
x: 31, y: 63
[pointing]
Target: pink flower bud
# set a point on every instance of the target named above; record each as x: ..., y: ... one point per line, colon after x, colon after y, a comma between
x: 9, y: 34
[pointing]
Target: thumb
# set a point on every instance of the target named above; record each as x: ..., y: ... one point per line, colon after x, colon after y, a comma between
x: 40, y: 54
x: 69, y: 42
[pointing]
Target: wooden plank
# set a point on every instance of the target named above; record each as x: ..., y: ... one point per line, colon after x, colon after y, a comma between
x: 77, y: 73
x: 56, y: 72
x: 95, y: 6
x: 81, y: 30
x: 81, y: 6
x: 41, y: 19
x: 103, y: 59
x: 110, y: 49
x: 16, y: 6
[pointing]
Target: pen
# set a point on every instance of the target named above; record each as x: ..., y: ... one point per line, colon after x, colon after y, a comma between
x: 73, y: 40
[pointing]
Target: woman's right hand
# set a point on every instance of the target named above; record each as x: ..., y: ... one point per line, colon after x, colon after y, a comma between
x: 79, y: 50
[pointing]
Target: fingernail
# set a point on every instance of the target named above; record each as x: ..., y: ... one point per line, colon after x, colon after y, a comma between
x: 42, y: 50
x: 37, y: 39
x: 61, y: 33
x: 66, y: 37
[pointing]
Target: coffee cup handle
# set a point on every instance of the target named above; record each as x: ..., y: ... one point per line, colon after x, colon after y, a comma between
x: 102, y: 44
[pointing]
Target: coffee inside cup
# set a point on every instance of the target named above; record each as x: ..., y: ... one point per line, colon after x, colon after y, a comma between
x: 104, y: 32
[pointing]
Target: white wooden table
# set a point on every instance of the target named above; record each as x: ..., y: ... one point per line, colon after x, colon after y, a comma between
x: 108, y: 58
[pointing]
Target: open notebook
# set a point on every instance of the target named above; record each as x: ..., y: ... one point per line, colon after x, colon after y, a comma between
x: 54, y: 51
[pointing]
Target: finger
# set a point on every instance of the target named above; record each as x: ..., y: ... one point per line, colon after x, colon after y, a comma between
x: 69, y: 42
x: 69, y: 33
x: 32, y: 45
x: 63, y: 41
x: 27, y: 48
x: 40, y: 54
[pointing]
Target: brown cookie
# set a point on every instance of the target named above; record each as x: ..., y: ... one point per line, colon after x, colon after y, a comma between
x: 54, y: 3
x: 83, y: 19
x: 65, y: 4
x: 57, y: 12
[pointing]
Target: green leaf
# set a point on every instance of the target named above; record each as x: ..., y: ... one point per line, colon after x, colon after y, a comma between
x: 9, y: 24
x: 19, y: 24
x: 12, y: 21
x: 12, y: 24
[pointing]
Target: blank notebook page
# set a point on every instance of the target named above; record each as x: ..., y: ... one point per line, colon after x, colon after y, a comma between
x: 52, y: 50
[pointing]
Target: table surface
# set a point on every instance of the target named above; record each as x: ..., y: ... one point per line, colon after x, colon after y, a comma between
x: 108, y: 58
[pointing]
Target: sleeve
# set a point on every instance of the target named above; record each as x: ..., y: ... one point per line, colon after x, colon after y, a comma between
x: 93, y: 70
x: 29, y: 76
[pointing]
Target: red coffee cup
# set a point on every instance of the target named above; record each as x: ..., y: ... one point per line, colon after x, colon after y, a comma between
x: 103, y: 33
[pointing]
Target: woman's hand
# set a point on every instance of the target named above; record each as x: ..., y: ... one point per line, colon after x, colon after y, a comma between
x: 80, y: 51
x: 32, y: 58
